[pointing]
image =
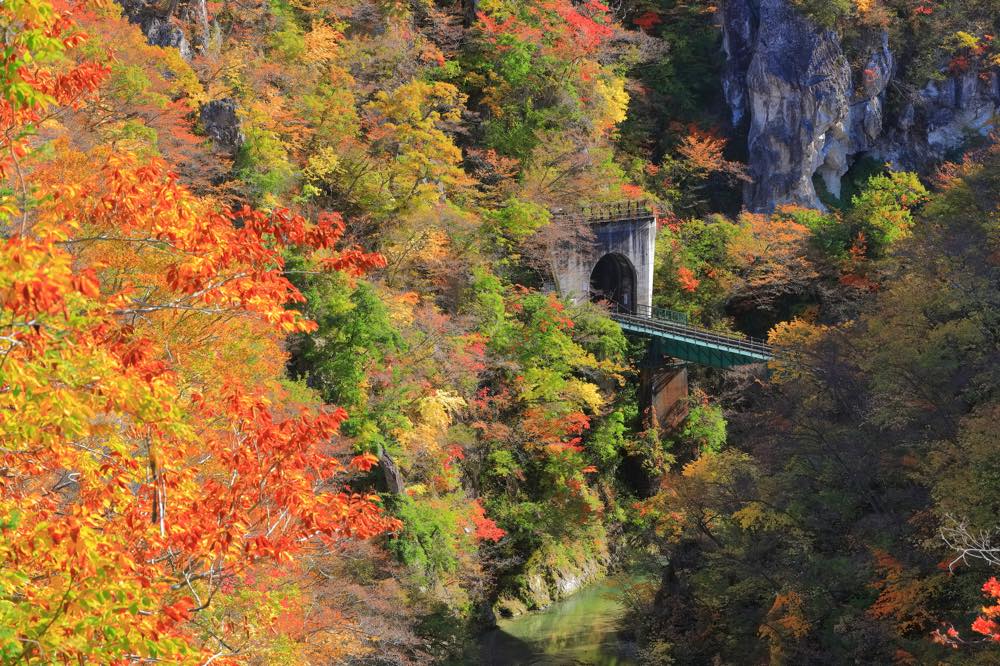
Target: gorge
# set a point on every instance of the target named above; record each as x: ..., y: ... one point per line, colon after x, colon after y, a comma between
x: 397, y: 332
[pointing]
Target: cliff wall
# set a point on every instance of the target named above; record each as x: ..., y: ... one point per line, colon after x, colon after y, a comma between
x: 808, y: 113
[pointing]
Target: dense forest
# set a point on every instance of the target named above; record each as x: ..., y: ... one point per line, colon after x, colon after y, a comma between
x: 288, y: 376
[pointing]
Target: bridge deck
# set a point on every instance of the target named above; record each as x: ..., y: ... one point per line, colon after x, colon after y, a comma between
x: 677, y: 338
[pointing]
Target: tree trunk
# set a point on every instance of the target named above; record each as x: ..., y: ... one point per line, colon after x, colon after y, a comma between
x: 471, y: 8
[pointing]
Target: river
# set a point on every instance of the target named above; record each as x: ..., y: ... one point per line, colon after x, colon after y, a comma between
x: 583, y: 629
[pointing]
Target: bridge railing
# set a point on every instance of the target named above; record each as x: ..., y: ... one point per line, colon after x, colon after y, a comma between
x: 648, y: 312
x: 609, y: 212
x: 665, y: 315
x: 677, y: 322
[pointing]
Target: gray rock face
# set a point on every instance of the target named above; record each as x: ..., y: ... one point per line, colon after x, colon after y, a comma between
x: 940, y: 120
x: 157, y: 24
x: 739, y: 35
x: 808, y: 114
x: 858, y: 132
x: 220, y: 122
x: 161, y: 32
x: 798, y: 84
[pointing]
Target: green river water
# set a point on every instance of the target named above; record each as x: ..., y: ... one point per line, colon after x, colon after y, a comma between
x: 583, y: 629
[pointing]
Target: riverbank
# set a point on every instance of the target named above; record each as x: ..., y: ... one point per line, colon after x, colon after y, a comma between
x: 584, y: 628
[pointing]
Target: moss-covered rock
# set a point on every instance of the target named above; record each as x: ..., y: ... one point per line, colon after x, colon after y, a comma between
x: 554, y: 572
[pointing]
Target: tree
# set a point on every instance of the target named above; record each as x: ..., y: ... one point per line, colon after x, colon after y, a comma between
x: 879, y: 216
x: 150, y: 454
x: 411, y: 124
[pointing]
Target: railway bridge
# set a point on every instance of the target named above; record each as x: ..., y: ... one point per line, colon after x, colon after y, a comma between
x: 615, y: 266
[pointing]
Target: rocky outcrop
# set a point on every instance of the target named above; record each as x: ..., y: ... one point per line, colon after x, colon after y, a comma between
x: 161, y: 32
x: 940, y: 119
x: 739, y: 21
x: 856, y: 133
x: 219, y: 120
x: 806, y: 113
x: 391, y: 473
x: 161, y: 21
x: 554, y: 572
x: 157, y: 23
x: 798, y: 83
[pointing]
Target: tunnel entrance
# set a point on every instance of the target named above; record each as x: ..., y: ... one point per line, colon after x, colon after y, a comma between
x: 613, y: 280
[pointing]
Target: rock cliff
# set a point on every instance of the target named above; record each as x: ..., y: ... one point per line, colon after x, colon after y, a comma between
x: 808, y: 113
x: 163, y: 23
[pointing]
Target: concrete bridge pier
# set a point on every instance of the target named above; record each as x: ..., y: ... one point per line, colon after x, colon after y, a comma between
x: 663, y: 388
x: 663, y: 395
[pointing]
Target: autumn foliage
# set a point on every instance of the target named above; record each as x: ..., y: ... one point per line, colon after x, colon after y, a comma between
x: 987, y: 623
x: 284, y: 378
x: 149, y: 454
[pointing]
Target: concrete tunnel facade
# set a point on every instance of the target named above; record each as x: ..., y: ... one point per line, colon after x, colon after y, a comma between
x: 619, y: 247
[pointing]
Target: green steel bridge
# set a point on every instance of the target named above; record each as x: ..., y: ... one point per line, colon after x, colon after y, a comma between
x: 616, y: 267
x: 672, y: 335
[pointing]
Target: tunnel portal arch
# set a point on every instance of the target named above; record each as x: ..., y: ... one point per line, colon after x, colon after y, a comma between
x: 613, y: 261
x: 613, y: 279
